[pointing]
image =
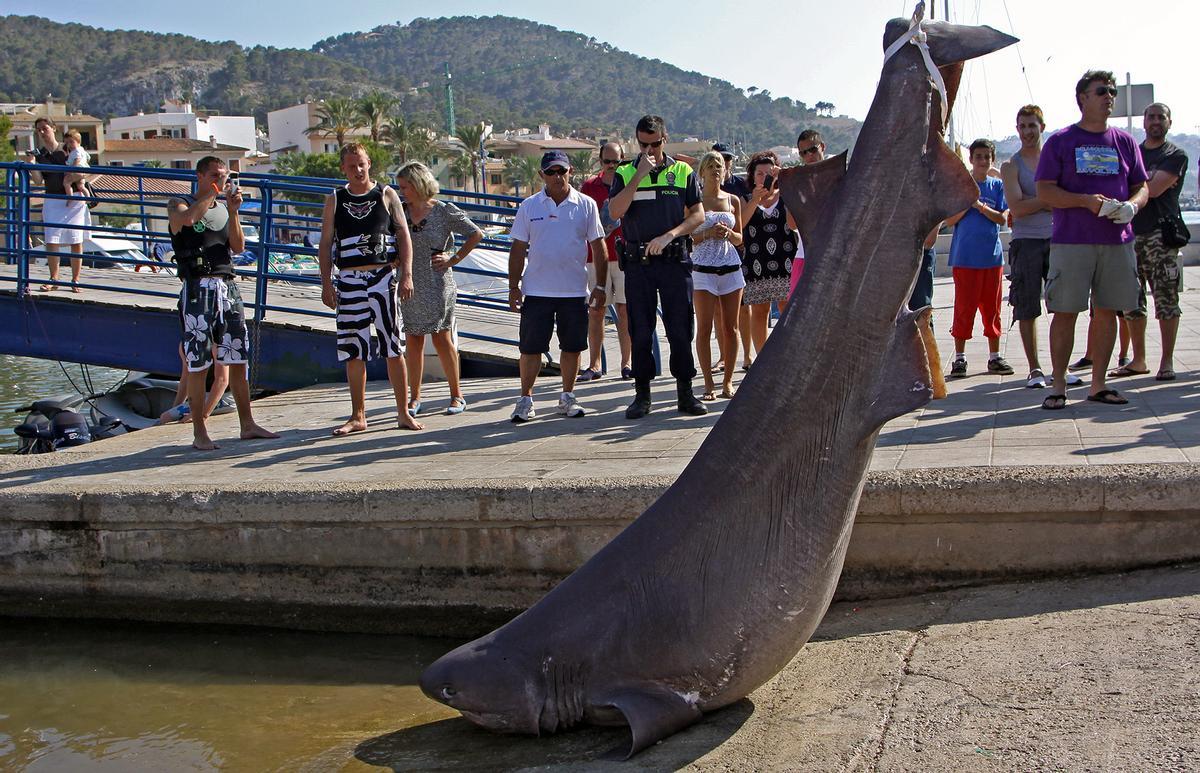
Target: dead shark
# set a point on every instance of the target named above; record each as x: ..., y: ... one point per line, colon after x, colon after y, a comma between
x: 719, y: 583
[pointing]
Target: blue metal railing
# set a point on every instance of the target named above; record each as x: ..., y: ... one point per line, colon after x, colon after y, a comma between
x: 279, y: 208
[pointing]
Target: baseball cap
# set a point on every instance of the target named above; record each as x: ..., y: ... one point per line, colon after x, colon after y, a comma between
x: 555, y: 158
x: 723, y: 149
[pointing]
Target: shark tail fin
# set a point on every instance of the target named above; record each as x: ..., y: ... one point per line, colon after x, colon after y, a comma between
x: 951, y: 43
x: 806, y: 190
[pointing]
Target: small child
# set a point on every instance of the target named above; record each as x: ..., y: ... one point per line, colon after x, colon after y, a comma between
x: 76, y: 156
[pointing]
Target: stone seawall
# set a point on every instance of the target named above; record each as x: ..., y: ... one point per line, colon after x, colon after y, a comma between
x: 455, y: 559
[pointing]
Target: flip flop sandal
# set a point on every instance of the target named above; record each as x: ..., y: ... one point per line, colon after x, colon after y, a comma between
x: 708, y: 397
x: 1125, y: 371
x: 1108, y: 397
x: 1166, y: 374
x: 1055, y: 402
x: 457, y: 406
x: 726, y: 395
x: 414, y: 407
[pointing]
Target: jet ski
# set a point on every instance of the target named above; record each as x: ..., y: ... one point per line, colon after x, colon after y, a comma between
x: 136, y: 403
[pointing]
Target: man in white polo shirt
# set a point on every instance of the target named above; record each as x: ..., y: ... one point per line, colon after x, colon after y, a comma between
x: 554, y: 228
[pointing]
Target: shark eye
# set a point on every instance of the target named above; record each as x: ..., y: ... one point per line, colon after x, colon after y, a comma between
x: 448, y: 692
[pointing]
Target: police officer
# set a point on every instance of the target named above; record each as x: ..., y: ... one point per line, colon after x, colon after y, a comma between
x: 657, y: 200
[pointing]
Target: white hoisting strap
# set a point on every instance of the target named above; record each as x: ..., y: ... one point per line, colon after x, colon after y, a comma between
x: 918, y: 37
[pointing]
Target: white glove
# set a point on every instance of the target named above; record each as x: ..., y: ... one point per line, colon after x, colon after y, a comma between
x: 1120, y: 212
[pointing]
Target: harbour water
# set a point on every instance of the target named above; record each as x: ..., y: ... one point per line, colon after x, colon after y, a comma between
x: 23, y: 380
x: 141, y: 697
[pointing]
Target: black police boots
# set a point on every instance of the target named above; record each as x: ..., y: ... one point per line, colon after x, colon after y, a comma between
x: 641, y: 400
x: 687, y: 401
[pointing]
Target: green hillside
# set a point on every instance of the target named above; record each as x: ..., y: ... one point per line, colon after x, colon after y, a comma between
x: 508, y: 71
x: 514, y: 72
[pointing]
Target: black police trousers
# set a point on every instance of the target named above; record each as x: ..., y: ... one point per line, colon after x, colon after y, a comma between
x: 645, y: 284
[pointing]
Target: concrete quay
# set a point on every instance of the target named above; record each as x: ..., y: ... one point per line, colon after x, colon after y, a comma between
x: 462, y: 525
x: 1081, y: 674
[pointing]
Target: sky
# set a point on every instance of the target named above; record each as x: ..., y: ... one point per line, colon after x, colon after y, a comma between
x: 810, y: 51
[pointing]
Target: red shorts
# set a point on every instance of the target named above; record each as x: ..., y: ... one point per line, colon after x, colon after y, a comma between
x: 976, y: 289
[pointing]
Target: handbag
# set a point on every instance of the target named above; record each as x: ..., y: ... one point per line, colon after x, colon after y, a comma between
x: 1175, y: 233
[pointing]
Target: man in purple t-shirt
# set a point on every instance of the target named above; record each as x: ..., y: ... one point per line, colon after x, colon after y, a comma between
x: 1093, y: 178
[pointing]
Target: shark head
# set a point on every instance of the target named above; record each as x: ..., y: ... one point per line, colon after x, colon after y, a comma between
x: 490, y: 685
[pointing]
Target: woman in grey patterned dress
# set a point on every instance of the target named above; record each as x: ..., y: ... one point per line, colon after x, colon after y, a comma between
x: 432, y: 225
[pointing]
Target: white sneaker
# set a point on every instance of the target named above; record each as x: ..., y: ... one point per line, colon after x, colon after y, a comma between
x: 524, y: 411
x: 1073, y: 380
x: 568, y: 406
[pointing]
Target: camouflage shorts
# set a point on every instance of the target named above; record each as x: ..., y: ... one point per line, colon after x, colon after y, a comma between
x: 1160, y: 268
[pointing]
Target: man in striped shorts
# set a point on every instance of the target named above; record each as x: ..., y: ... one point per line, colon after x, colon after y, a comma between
x: 364, y: 235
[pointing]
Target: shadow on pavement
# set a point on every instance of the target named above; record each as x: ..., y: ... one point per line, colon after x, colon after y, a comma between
x: 459, y: 745
x: 1022, y: 599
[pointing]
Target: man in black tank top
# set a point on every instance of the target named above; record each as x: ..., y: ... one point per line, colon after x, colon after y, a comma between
x: 205, y: 236
x: 365, y: 256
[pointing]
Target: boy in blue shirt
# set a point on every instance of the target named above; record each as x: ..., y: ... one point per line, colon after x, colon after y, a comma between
x: 976, y: 259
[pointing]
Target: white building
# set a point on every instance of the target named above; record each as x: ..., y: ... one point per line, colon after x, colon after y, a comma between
x: 286, y: 126
x: 177, y: 120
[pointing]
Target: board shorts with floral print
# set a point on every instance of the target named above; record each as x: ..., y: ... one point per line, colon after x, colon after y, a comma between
x: 213, y: 318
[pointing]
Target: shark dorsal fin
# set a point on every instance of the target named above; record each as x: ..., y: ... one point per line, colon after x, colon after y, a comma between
x: 806, y: 189
x: 913, y: 371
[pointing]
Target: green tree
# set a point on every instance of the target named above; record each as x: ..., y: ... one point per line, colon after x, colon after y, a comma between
x: 471, y: 136
x: 336, y: 118
x: 152, y: 164
x: 7, y: 152
x: 374, y: 109
x: 582, y: 163
x: 462, y: 169
x: 410, y: 140
x: 522, y: 173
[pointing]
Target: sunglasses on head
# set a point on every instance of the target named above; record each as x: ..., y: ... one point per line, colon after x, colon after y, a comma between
x: 555, y: 172
x: 655, y: 144
x: 1105, y: 91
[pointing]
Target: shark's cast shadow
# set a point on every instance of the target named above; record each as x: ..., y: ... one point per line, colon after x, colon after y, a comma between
x: 458, y: 745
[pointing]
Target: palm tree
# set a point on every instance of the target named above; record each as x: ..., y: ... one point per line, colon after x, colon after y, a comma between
x: 471, y: 136
x: 582, y: 162
x: 374, y: 109
x: 410, y: 140
x: 523, y: 171
x: 336, y: 118
x: 462, y: 168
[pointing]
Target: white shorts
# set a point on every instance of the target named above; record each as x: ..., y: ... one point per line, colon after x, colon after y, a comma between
x: 718, y: 284
x: 614, y: 288
x: 71, y: 216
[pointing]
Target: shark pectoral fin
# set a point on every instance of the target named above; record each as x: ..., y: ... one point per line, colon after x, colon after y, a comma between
x: 907, y: 382
x: 805, y: 189
x: 653, y: 713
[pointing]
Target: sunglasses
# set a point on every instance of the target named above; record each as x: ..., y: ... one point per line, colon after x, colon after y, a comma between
x: 655, y: 144
x: 610, y: 161
x: 813, y: 149
x: 1105, y: 90
x: 555, y: 172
